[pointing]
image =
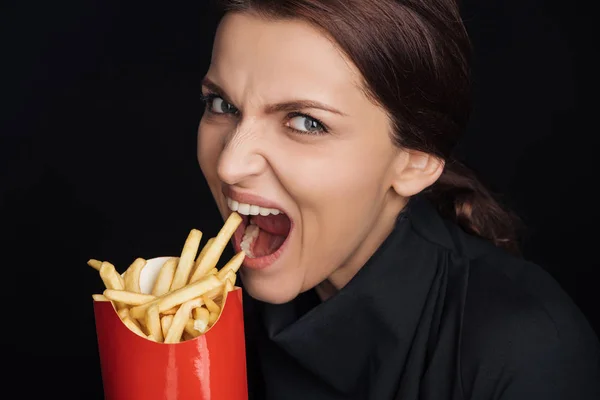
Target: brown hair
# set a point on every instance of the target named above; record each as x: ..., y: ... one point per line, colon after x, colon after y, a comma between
x: 413, y: 56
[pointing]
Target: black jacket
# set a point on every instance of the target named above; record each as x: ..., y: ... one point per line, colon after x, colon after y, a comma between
x: 434, y: 314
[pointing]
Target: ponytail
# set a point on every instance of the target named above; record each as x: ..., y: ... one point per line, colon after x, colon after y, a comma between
x: 461, y: 197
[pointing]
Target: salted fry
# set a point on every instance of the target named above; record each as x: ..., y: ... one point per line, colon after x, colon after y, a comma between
x: 99, y: 297
x: 132, y: 275
x: 153, y: 323
x: 129, y: 298
x: 165, y: 324
x: 165, y: 277
x: 232, y: 265
x: 180, y: 319
x: 213, y: 253
x: 96, y: 264
x: 210, y: 304
x: 179, y: 296
x: 186, y: 261
x: 213, y: 271
x: 213, y: 318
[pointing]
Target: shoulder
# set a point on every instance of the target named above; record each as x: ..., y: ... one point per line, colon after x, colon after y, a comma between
x: 520, y: 326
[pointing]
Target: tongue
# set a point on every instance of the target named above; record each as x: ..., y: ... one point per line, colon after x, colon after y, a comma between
x: 266, y: 244
x: 274, y: 224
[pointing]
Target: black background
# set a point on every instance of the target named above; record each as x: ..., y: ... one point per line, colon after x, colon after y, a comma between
x: 101, y: 101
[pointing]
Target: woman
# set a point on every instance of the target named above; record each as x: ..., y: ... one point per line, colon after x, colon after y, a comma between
x: 378, y: 267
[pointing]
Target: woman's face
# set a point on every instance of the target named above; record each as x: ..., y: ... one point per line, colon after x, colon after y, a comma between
x: 290, y: 141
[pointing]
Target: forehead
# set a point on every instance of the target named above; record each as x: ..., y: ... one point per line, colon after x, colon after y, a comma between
x: 279, y: 56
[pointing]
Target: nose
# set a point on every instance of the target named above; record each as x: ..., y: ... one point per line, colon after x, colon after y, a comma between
x: 242, y: 157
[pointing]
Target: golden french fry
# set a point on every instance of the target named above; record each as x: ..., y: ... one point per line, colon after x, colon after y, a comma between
x: 133, y: 326
x: 191, y: 330
x: 232, y: 265
x: 179, y: 296
x: 129, y: 298
x: 165, y: 324
x: 132, y: 275
x: 99, y: 297
x: 231, y: 277
x: 170, y: 311
x: 153, y: 323
x: 151, y: 337
x: 213, y: 317
x: 201, y: 317
x: 96, y: 264
x: 186, y: 260
x: 124, y: 314
x: 213, y: 271
x: 180, y: 319
x: 210, y: 304
x: 207, y: 246
x: 165, y: 277
x: 111, y: 279
x: 228, y: 287
x: 213, y: 253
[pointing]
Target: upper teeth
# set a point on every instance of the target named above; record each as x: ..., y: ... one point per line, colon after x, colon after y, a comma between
x: 250, y: 209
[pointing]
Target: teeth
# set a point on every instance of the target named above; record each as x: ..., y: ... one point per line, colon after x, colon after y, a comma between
x: 250, y: 234
x: 250, y: 209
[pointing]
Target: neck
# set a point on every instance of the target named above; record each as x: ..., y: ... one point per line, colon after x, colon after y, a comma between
x: 379, y: 231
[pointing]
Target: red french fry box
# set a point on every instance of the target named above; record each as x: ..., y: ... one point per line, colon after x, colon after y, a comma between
x: 209, y: 367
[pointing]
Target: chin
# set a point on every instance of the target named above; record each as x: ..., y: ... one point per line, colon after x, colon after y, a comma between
x: 269, y: 292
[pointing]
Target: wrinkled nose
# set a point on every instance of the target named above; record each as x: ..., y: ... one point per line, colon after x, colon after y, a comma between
x: 241, y: 158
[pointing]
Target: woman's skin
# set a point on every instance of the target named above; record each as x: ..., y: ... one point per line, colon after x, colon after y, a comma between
x: 288, y: 126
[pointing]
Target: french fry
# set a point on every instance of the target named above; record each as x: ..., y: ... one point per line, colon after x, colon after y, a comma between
x: 180, y: 319
x: 132, y: 275
x: 124, y: 314
x: 179, y: 296
x: 213, y: 317
x: 186, y: 261
x: 191, y: 330
x: 213, y: 253
x: 231, y: 277
x: 232, y: 265
x: 99, y: 297
x: 133, y: 327
x: 207, y: 246
x: 201, y: 317
x: 165, y: 324
x: 213, y: 271
x: 210, y: 304
x: 96, y: 264
x: 165, y: 277
x: 128, y: 298
x: 153, y: 323
x: 112, y: 280
x: 110, y: 277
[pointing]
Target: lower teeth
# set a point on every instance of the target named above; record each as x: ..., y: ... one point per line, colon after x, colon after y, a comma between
x: 250, y: 235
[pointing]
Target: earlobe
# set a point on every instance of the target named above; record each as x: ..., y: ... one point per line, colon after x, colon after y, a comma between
x: 415, y: 172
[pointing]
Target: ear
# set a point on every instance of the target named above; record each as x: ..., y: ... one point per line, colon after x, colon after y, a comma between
x: 415, y: 171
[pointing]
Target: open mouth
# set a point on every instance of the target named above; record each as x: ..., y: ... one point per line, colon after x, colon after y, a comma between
x: 262, y: 233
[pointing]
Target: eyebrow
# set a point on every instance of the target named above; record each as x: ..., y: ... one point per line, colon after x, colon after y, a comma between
x: 280, y: 107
